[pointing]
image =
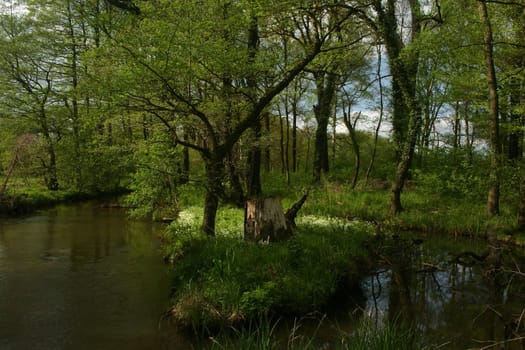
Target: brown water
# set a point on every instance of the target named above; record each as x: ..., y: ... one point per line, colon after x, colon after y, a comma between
x: 81, y: 277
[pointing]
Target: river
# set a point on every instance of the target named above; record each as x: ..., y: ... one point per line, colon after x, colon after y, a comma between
x: 86, y: 277
x: 81, y: 277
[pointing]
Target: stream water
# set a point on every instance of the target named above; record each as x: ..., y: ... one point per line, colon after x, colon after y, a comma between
x: 458, y: 294
x: 86, y: 277
x: 80, y: 277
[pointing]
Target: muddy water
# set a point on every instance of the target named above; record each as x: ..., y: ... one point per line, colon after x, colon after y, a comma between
x: 81, y: 277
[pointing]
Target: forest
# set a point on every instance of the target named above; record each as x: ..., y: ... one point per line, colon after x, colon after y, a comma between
x: 398, y: 115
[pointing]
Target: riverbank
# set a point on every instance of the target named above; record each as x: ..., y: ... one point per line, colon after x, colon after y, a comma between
x: 224, y: 281
x: 28, y: 200
x: 245, y: 295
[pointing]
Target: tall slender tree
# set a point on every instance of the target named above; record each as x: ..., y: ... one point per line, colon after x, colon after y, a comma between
x: 495, y: 147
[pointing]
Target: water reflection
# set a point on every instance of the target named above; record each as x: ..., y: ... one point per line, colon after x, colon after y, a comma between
x: 80, y: 277
x: 454, y: 303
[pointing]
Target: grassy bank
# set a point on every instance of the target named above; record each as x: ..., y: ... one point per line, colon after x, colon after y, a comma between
x: 367, y: 335
x: 26, y: 200
x: 224, y: 281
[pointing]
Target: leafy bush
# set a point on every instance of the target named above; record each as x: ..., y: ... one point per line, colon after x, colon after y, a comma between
x: 156, y: 177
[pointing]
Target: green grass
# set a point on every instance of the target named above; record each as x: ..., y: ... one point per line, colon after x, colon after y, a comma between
x: 367, y: 335
x: 383, y: 336
x: 26, y: 200
x: 223, y: 280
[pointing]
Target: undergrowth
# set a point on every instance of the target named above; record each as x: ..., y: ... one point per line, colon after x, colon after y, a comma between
x: 223, y: 280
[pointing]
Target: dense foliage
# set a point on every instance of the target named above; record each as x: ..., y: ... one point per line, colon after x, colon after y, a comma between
x: 97, y: 96
x: 213, y: 102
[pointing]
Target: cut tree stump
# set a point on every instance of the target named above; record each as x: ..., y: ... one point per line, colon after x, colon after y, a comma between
x: 265, y: 220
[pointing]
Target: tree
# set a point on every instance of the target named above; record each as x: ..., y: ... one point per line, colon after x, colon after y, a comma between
x: 182, y: 53
x: 495, y: 148
x: 28, y: 77
x: 403, y: 59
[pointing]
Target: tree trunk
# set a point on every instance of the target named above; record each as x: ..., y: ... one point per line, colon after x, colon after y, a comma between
x: 406, y: 159
x: 281, y: 138
x: 521, y: 213
x: 515, y: 149
x: 403, y: 68
x: 254, y: 157
x: 267, y: 149
x: 74, y: 110
x: 236, y: 193
x: 495, y: 148
x: 355, y: 146
x: 214, y: 170
x: 264, y: 220
x: 185, y: 175
x: 254, y: 164
x: 51, y: 177
x: 325, y: 84
x: 469, y: 138
x: 294, y: 136
x: 381, y: 112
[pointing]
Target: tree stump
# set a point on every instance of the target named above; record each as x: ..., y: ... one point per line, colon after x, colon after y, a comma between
x: 264, y: 220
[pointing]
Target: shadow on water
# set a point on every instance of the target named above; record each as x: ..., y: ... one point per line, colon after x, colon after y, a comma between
x: 456, y: 294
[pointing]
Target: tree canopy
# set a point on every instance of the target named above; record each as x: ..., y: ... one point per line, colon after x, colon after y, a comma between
x: 221, y: 87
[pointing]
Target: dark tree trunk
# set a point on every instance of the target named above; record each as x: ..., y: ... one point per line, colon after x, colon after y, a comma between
x: 515, y: 149
x: 50, y: 164
x: 457, y: 128
x: 236, y: 193
x: 325, y: 84
x: 254, y: 157
x: 282, y: 140
x: 399, y: 117
x: 404, y: 164
x: 381, y: 111
x: 294, y: 137
x: 214, y: 173
x: 495, y: 147
x: 267, y: 151
x: 51, y: 173
x: 355, y: 147
x: 469, y: 137
x: 521, y: 213
x: 254, y: 164
x: 185, y: 175
x: 400, y: 70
